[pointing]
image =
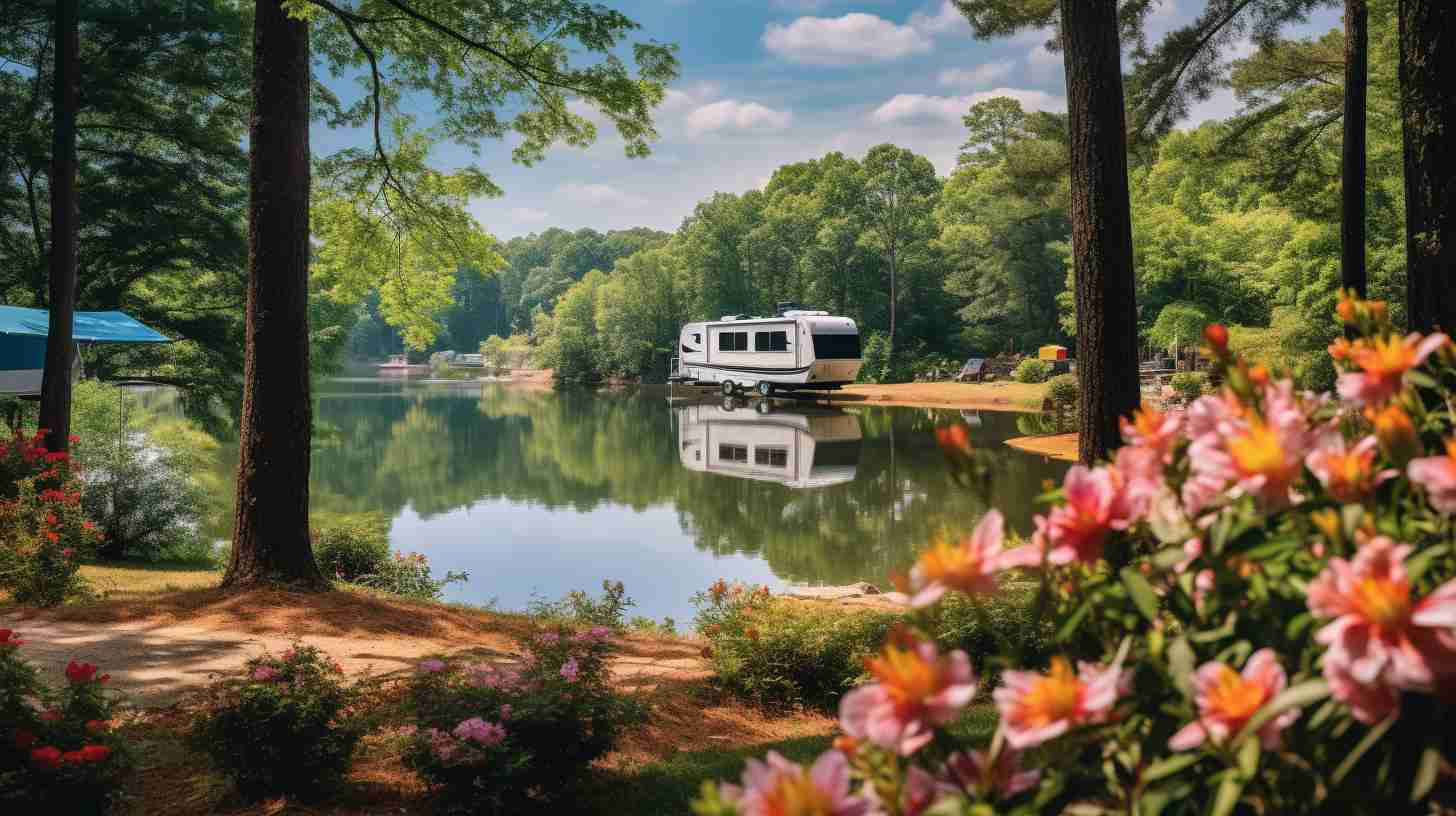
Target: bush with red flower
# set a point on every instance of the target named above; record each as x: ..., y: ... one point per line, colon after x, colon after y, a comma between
x: 1255, y: 612
x: 44, y: 532
x: 514, y: 738
x: 283, y: 725
x: 59, y: 751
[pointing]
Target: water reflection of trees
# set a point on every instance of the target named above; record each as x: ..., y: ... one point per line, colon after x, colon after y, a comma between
x: 439, y: 451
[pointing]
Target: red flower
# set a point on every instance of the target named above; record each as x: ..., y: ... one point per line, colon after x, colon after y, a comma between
x: 73, y: 758
x: 57, y: 456
x: 74, y: 439
x: 50, y: 715
x: 8, y: 639
x: 94, y: 753
x: 1217, y: 336
x: 97, y: 726
x: 47, y: 758
x: 53, y: 537
x: 24, y: 738
x: 80, y: 672
x: 52, y: 520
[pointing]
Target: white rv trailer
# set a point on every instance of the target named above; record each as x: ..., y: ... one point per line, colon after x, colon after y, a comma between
x: 799, y: 349
x: 798, y: 448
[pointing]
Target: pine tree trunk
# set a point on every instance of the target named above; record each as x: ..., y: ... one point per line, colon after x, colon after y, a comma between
x: 270, y: 521
x: 1101, y: 225
x: 1428, y: 113
x: 55, y: 386
x: 1352, y: 190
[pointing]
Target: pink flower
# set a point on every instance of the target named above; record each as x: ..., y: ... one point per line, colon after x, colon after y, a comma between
x: 778, y: 787
x: 1227, y: 700
x: 975, y: 773
x: 505, y: 711
x: 1261, y: 455
x: 570, y: 670
x: 266, y: 673
x: 548, y: 638
x: 1437, y: 476
x: 1039, y: 707
x: 1383, y: 363
x: 432, y: 666
x: 479, y: 731
x: 1380, y: 635
x: 1347, y: 473
x: 1153, y: 430
x: 442, y: 745
x: 1097, y: 504
x: 968, y: 567
x: 1369, y: 702
x: 915, y: 689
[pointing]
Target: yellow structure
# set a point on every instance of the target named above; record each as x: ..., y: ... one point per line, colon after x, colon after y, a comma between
x: 1052, y: 353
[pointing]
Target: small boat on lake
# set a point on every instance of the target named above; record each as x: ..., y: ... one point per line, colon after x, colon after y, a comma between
x: 797, y: 350
x: 399, y: 365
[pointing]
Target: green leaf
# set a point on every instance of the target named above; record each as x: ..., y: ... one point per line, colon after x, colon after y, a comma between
x: 1417, y: 564
x: 1248, y: 756
x: 1165, y: 768
x: 1228, y: 795
x: 1426, y: 773
x: 1365, y: 744
x: 1168, y: 558
x: 1074, y: 620
x: 1297, y: 696
x: 1141, y: 591
x: 1180, y: 665
x: 1419, y: 379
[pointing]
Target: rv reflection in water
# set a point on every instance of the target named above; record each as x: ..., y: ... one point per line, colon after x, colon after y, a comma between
x: 796, y: 446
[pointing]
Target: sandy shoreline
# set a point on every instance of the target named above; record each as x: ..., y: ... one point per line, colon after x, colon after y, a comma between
x: 1059, y: 446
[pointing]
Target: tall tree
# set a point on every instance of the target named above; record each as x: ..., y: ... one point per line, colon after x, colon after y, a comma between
x: 1352, y: 191
x: 55, y: 388
x: 270, y: 516
x: 475, y: 62
x: 1101, y: 217
x: 1428, y: 112
x: 900, y: 191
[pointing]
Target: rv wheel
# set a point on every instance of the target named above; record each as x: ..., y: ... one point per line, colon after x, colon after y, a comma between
x: 765, y: 388
x: 728, y: 388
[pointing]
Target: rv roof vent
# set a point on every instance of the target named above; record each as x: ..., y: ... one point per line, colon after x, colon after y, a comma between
x: 728, y: 317
x: 805, y: 313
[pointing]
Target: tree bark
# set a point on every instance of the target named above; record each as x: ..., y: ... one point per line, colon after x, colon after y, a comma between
x: 1101, y: 217
x: 55, y: 386
x: 1428, y: 114
x: 1352, y: 187
x: 270, y: 520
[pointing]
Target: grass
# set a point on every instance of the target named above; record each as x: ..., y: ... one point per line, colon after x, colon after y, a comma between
x: 130, y: 579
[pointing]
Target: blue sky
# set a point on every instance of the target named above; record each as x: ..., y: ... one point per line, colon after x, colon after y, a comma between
x: 770, y: 82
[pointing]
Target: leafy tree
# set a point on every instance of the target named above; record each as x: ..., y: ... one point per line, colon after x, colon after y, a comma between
x: 516, y: 57
x: 991, y: 126
x: 900, y: 190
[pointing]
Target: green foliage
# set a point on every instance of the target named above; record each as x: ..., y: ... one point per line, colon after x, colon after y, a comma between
x: 59, y: 749
x: 408, y: 575
x: 1063, y: 389
x: 876, y: 355
x: 1032, y: 370
x: 281, y: 725
x: 1189, y: 385
x: 44, y: 533
x: 579, y: 608
x: 780, y: 651
x: 349, y: 547
x: 515, y: 738
x: 1178, y: 325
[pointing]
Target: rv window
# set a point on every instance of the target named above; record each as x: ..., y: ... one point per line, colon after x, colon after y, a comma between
x: 697, y: 338
x: 733, y: 341
x: 733, y: 453
x: 771, y: 341
x: 773, y: 457
x: 836, y: 346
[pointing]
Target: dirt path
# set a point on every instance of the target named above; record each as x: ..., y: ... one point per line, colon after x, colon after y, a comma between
x: 158, y: 652
x: 995, y: 396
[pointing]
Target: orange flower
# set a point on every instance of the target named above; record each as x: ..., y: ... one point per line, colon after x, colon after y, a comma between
x: 1217, y: 337
x: 1038, y: 707
x: 1383, y: 363
x: 1341, y: 348
x: 1395, y: 431
x: 968, y: 567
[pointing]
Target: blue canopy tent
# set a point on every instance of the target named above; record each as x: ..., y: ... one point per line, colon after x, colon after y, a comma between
x: 23, y: 342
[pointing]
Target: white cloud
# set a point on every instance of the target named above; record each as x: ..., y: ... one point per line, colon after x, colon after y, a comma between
x: 1044, y: 64
x: 730, y: 114
x: 923, y: 107
x: 946, y: 19
x: 988, y: 73
x: 687, y: 97
x: 598, y: 195
x: 528, y: 215
x: 855, y: 37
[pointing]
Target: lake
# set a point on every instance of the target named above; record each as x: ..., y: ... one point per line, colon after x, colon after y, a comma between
x: 537, y: 492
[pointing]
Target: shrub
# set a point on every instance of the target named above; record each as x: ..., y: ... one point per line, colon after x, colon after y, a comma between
x: 408, y: 575
x: 778, y: 651
x: 1255, y: 612
x: 43, y: 531
x: 1063, y: 389
x: 512, y: 738
x: 580, y: 608
x: 281, y: 726
x: 876, y: 356
x: 351, y: 546
x: 65, y: 757
x: 1032, y: 370
x: 1188, y: 385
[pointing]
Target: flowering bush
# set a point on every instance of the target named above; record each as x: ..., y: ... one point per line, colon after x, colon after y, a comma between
x: 778, y: 651
x: 506, y: 738
x: 64, y: 755
x: 43, y: 529
x: 1255, y: 611
x: 351, y: 546
x: 282, y: 726
x: 408, y: 574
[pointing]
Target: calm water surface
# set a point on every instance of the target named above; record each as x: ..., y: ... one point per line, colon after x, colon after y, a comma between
x: 536, y: 492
